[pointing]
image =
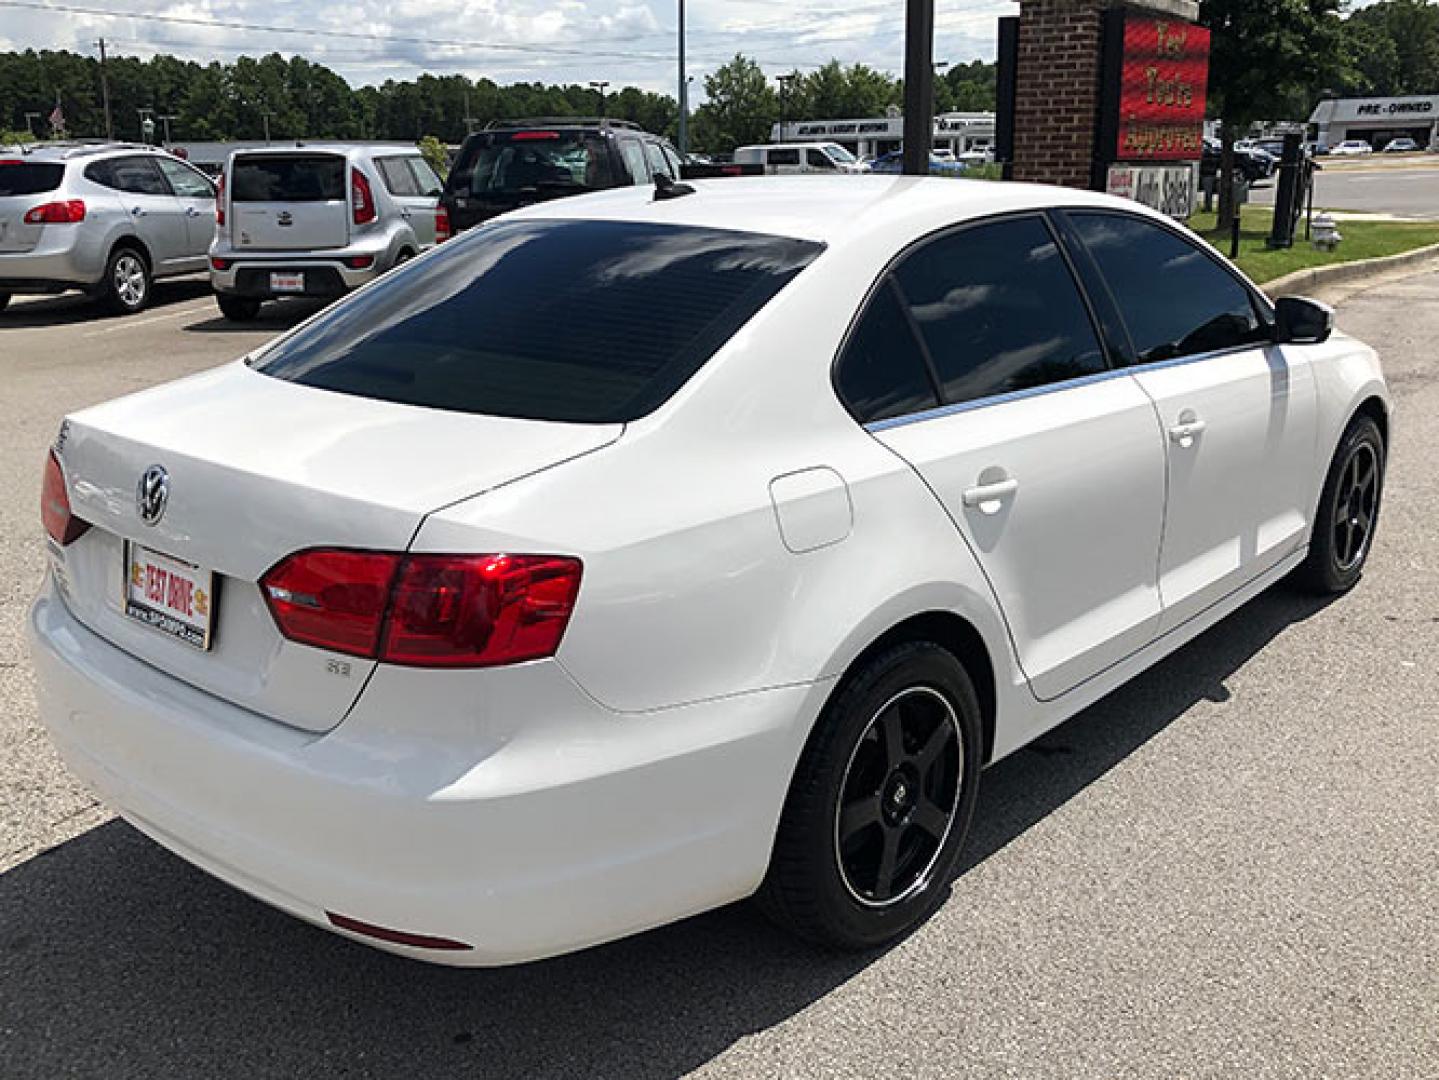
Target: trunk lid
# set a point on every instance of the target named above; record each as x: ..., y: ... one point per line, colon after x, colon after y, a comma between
x: 24, y: 185
x: 258, y: 469
x: 289, y: 202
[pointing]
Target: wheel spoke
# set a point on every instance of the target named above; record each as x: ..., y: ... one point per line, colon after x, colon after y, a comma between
x: 1343, y: 535
x: 891, y: 726
x: 1363, y: 477
x: 857, y: 816
x: 933, y: 746
x: 888, y: 861
x: 931, y: 818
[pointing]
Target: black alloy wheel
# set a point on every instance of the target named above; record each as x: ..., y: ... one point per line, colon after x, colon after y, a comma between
x: 1348, y: 513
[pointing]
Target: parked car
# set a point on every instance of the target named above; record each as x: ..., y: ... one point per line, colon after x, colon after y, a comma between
x: 1253, y: 164
x: 893, y: 162
x: 1351, y: 148
x: 318, y: 220
x: 107, y: 218
x: 1401, y: 146
x: 786, y: 158
x: 516, y: 163
x: 662, y: 551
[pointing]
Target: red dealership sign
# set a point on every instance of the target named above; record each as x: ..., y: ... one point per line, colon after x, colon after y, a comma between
x: 1163, y: 72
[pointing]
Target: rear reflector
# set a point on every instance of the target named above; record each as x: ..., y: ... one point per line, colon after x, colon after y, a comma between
x: 425, y: 610
x: 397, y: 937
x: 57, y: 213
x: 62, y: 526
x: 360, y: 262
x: 220, y: 264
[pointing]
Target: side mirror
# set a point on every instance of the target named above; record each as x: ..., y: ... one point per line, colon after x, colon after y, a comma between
x: 1301, y: 321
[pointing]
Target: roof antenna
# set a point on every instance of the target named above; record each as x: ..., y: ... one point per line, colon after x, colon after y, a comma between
x: 667, y: 188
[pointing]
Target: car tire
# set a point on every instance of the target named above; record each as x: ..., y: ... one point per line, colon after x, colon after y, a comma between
x: 238, y: 308
x: 4, y: 300
x: 1348, y: 512
x: 880, y: 803
x: 126, y: 286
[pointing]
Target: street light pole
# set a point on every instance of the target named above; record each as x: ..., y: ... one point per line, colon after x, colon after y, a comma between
x: 918, y: 85
x: 166, y: 121
x: 684, y: 135
x: 784, y: 83
x: 600, y: 85
x: 30, y: 118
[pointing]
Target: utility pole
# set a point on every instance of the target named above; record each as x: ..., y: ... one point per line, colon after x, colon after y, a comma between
x: 470, y: 121
x: 600, y: 85
x: 105, y: 93
x: 684, y: 89
x: 784, y: 81
x: 265, y: 119
x: 918, y: 86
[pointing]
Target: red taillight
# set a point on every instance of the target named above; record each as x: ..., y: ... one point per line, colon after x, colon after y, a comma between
x: 220, y: 201
x: 332, y: 599
x: 57, y: 213
x: 425, y: 610
x: 220, y: 264
x: 62, y: 526
x: 362, y: 199
x: 360, y: 262
x: 442, y: 225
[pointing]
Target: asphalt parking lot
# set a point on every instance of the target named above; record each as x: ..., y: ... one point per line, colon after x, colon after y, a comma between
x: 1229, y: 868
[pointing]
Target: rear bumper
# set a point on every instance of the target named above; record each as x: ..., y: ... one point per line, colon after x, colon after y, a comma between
x: 323, y: 277
x: 523, y: 821
x: 50, y: 268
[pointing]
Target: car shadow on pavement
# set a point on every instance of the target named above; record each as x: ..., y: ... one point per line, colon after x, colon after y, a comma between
x: 275, y: 315
x: 117, y: 959
x: 70, y: 308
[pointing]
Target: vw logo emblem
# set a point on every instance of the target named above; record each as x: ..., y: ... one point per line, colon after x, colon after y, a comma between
x: 152, y: 493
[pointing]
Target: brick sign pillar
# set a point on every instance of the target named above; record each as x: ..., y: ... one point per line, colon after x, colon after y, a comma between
x: 1086, y: 85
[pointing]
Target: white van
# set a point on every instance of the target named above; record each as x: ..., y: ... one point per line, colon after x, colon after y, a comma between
x: 816, y: 157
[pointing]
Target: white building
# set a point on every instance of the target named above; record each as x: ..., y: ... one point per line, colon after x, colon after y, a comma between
x: 958, y: 132
x: 1376, y: 120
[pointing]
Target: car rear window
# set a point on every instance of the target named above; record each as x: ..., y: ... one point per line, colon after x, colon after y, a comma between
x: 514, y: 162
x: 29, y: 177
x: 291, y: 178
x: 579, y: 321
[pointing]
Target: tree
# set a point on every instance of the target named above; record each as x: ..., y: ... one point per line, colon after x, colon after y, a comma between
x: 741, y: 108
x: 1263, y: 55
x: 1394, y: 46
x: 835, y: 92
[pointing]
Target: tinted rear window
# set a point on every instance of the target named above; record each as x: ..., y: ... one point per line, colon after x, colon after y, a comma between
x: 29, y: 177
x: 509, y: 163
x: 583, y: 321
x: 298, y: 178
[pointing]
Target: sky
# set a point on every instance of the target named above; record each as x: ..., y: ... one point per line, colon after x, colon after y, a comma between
x: 627, y: 42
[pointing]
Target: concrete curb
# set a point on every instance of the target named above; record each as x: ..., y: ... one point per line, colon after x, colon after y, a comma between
x: 1320, y: 276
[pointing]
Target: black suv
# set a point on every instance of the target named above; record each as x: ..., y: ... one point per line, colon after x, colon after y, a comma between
x: 514, y: 163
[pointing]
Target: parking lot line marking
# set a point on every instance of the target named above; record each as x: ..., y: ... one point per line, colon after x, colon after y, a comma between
x: 146, y: 322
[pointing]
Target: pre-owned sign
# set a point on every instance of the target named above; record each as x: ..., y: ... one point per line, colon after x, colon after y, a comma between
x: 1163, y: 70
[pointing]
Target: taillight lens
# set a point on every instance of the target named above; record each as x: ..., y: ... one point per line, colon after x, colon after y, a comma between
x: 57, y: 213
x: 332, y: 599
x: 220, y: 201
x: 442, y: 225
x: 360, y: 262
x: 62, y: 526
x: 362, y: 198
x: 219, y: 264
x: 425, y: 610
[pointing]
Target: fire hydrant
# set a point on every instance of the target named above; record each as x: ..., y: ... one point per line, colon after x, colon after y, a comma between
x: 1324, y: 233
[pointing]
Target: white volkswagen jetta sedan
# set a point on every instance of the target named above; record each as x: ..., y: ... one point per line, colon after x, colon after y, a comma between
x: 638, y: 553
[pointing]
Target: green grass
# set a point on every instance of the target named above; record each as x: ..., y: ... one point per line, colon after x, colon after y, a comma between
x: 1362, y: 240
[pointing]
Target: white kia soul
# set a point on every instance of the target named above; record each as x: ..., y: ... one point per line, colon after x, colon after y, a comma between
x: 641, y: 552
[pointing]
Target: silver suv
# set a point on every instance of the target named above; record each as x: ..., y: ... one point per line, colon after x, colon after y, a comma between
x: 318, y: 220
x: 105, y: 218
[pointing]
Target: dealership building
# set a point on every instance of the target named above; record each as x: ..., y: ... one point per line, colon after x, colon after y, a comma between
x: 958, y: 132
x: 1376, y: 120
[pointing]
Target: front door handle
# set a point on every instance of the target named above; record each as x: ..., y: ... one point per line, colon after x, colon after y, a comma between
x: 1189, y: 428
x: 987, y: 497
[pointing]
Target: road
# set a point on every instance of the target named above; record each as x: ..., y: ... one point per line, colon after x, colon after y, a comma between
x: 1226, y: 869
x: 1404, y: 192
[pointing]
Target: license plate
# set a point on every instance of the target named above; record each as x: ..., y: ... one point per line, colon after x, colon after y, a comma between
x: 177, y: 598
x: 287, y: 282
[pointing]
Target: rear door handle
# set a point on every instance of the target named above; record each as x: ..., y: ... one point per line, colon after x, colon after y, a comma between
x: 983, y: 495
x: 191, y: 211
x: 138, y: 211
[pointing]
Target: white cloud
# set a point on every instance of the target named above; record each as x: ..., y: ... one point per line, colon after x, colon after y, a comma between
x: 628, y: 42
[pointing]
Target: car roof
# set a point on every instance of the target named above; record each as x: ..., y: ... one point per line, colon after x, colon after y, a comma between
x: 827, y: 209
x: 71, y: 151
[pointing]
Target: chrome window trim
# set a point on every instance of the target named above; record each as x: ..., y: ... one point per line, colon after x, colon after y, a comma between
x: 876, y: 426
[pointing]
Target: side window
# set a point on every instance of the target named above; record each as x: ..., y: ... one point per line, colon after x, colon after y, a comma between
x: 672, y: 156
x: 818, y: 159
x: 658, y: 164
x: 135, y: 175
x: 634, y: 156
x: 399, y: 180
x: 1175, y: 299
x: 188, y: 184
x: 998, y: 310
x: 427, y: 181
x: 882, y: 372
x: 784, y: 157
